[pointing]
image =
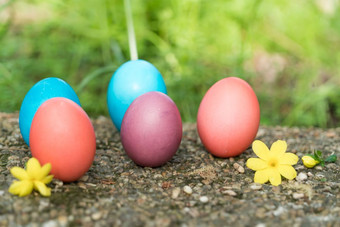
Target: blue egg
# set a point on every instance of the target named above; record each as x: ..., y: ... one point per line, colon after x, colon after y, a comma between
x: 131, y: 80
x: 42, y: 91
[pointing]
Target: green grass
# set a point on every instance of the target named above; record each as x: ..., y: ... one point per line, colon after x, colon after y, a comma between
x: 289, y: 51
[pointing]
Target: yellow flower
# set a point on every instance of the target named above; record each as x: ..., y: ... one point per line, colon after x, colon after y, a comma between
x: 34, y: 177
x: 272, y: 163
x: 309, y: 162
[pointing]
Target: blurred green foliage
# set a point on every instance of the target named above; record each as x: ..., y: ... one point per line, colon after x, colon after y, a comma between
x: 287, y: 50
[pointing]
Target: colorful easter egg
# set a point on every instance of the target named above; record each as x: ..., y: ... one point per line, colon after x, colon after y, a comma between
x: 228, y: 117
x: 131, y: 80
x: 151, y: 129
x: 62, y: 134
x: 37, y: 95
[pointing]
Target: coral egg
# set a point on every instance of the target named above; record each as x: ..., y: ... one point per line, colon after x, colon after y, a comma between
x: 228, y: 117
x: 62, y: 134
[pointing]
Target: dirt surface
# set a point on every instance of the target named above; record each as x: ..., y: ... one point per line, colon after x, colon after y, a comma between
x: 193, y: 189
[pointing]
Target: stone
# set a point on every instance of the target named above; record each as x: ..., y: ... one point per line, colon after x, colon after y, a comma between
x: 84, y: 178
x: 204, y: 199
x: 229, y: 192
x: 310, y: 174
x: 62, y: 220
x: 318, y: 167
x: 96, y: 216
x: 175, y: 193
x: 51, y: 223
x: 280, y: 210
x: 298, y: 195
x: 255, y: 186
x: 301, y: 176
x: 187, y: 189
x: 261, y: 225
x: 320, y: 176
x: 238, y: 167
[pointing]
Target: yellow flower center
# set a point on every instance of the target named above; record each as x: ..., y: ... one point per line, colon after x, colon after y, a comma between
x: 273, y: 162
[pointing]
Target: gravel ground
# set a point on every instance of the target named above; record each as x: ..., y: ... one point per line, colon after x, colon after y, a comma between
x: 193, y: 189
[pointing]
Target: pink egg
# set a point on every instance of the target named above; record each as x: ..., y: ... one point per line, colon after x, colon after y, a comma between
x: 228, y: 117
x: 151, y: 129
x: 62, y: 134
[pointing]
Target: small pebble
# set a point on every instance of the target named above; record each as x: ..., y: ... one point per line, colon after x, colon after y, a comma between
x: 175, y: 193
x: 57, y: 182
x: 62, y: 220
x: 81, y: 185
x: 50, y: 223
x: 298, y: 195
x: 280, y: 210
x: 157, y: 176
x: 261, y: 225
x: 86, y: 219
x: 187, y: 189
x: 186, y: 209
x: 300, y: 167
x: 318, y: 167
x: 238, y: 167
x: 84, y: 178
x: 331, y: 166
x: 276, y: 189
x: 256, y: 186
x: 1, y: 193
x: 96, y: 216
x: 43, y: 203
x: 230, y: 192
x: 310, y: 174
x: 301, y: 177
x: 327, y: 189
x: 319, y: 175
x: 248, y: 180
x: 204, y: 199
x: 260, y: 212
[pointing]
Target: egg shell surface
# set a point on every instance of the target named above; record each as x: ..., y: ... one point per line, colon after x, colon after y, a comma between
x: 131, y: 80
x: 228, y: 117
x: 62, y: 134
x: 43, y: 90
x: 151, y: 129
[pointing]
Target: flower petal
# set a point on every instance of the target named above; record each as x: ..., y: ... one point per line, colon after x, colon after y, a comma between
x: 41, y: 187
x: 289, y: 159
x: 47, y: 179
x: 256, y: 164
x: 23, y: 188
x: 15, y: 188
x: 33, y: 168
x: 261, y: 176
x: 274, y: 176
x: 44, y: 171
x: 278, y: 148
x: 19, y: 173
x: 287, y: 171
x: 260, y: 149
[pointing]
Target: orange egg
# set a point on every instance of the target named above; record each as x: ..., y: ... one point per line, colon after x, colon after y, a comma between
x: 62, y: 134
x: 228, y: 117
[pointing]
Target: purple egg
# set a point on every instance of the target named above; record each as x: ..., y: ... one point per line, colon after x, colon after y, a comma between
x: 151, y: 129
